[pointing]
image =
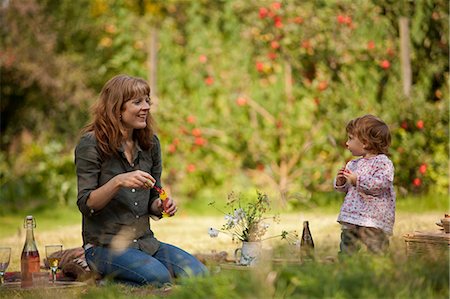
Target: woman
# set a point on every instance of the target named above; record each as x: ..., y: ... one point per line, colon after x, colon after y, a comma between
x: 118, y: 161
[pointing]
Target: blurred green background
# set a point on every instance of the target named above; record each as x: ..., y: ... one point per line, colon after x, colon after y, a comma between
x: 247, y: 94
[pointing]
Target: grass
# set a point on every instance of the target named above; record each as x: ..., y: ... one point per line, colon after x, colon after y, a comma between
x: 361, y: 277
x: 46, y: 220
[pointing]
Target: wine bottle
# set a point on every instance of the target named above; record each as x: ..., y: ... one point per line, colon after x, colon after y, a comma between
x: 29, y: 261
x: 165, y: 200
x: 306, y: 243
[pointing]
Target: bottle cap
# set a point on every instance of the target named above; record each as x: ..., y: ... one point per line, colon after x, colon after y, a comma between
x: 28, y: 219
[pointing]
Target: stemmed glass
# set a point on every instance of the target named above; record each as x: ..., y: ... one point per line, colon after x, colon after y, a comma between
x: 54, y: 254
x: 5, y: 255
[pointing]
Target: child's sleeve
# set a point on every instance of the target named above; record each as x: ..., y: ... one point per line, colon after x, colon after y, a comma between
x: 342, y: 188
x: 378, y: 180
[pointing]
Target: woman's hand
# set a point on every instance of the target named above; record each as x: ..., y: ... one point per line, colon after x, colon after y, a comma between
x: 100, y: 197
x: 136, y: 179
x: 171, y: 207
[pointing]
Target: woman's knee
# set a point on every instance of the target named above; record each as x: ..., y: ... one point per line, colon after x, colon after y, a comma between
x: 180, y: 262
x: 131, y: 266
x: 198, y: 269
x: 156, y: 275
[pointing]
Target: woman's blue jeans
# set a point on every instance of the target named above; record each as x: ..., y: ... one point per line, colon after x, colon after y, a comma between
x: 135, y: 267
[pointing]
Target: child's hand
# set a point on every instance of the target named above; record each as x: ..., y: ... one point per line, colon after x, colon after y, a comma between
x: 350, y: 176
x: 340, y: 178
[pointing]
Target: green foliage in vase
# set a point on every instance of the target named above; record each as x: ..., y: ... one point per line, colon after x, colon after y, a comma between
x: 246, y: 219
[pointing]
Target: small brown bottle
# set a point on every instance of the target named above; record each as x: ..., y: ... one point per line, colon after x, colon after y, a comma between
x: 306, y: 243
x: 29, y: 261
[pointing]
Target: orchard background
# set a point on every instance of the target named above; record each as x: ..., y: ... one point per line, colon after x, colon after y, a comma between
x: 247, y: 94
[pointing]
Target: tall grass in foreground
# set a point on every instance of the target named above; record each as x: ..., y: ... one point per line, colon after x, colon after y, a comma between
x: 361, y: 276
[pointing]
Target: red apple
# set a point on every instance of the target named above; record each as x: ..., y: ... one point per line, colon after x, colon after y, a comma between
x: 172, y: 148
x: 423, y: 168
x: 276, y: 5
x: 196, y: 132
x: 277, y: 22
x: 259, y: 66
x: 417, y: 182
x: 275, y: 45
x: 322, y: 85
x: 272, y: 55
x: 419, y: 124
x: 191, y: 119
x: 209, y: 80
x: 200, y: 141
x: 341, y: 19
x: 404, y: 124
x: 385, y: 64
x: 241, y: 101
x: 263, y: 12
x: 190, y: 167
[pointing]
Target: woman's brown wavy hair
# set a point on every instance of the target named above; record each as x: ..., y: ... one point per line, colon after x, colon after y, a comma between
x: 106, y: 125
x: 372, y: 132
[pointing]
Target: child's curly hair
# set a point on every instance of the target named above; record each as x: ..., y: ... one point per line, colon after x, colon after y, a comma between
x: 372, y: 132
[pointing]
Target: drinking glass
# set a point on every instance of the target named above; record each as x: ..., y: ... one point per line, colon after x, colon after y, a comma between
x: 54, y: 254
x: 5, y: 255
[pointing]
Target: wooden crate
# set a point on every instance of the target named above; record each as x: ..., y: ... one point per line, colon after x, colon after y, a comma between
x: 433, y: 245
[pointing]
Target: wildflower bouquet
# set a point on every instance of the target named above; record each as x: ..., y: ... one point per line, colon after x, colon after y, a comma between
x: 246, y: 221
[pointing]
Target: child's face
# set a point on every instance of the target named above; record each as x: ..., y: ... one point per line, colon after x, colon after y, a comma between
x: 355, y: 146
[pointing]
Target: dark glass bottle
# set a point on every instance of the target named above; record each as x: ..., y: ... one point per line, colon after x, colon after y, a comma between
x: 306, y: 243
x: 29, y: 261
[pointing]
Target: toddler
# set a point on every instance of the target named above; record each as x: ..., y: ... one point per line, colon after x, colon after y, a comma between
x: 368, y: 212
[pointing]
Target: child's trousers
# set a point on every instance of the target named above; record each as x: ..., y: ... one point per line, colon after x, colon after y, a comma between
x: 375, y: 239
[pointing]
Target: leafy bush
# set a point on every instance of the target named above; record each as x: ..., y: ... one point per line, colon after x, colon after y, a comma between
x: 38, y: 177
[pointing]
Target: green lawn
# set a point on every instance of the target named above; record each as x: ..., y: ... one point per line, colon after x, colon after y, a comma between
x: 362, y: 277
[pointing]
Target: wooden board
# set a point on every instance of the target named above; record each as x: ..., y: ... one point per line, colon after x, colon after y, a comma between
x: 50, y: 285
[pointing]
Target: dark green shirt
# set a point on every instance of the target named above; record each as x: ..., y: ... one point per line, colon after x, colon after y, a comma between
x: 124, y: 221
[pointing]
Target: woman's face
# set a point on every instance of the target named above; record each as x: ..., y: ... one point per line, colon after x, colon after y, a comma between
x: 135, y: 112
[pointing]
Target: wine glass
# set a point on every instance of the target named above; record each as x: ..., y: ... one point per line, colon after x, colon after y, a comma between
x: 54, y: 254
x: 5, y: 255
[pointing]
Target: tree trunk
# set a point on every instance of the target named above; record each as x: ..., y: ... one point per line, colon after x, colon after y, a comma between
x: 152, y: 62
x: 288, y: 83
x: 405, y: 56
